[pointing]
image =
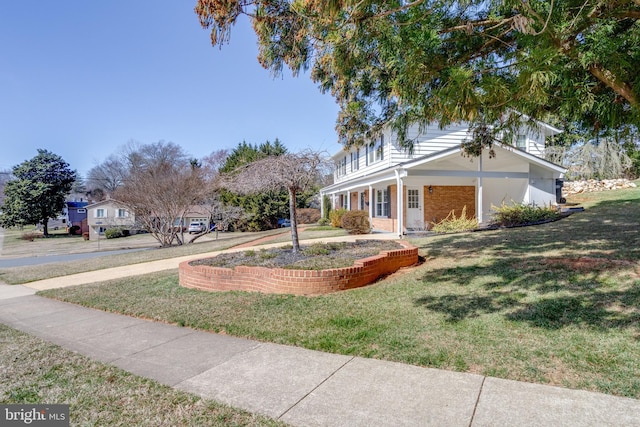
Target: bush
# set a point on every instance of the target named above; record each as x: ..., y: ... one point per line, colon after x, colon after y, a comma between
x: 335, y: 217
x: 324, y: 221
x: 74, y: 229
x: 307, y: 216
x: 356, y: 222
x: 521, y: 214
x: 31, y: 235
x: 451, y: 224
x: 327, y: 207
x: 114, y: 233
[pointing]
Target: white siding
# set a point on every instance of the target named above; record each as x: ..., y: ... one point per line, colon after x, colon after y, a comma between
x: 431, y: 139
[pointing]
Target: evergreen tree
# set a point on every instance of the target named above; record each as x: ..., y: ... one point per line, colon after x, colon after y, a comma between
x: 37, y: 191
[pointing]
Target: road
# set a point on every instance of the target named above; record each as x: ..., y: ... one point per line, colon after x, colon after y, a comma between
x: 36, y: 260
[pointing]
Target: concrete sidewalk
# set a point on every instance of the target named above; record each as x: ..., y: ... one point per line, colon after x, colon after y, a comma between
x: 303, y: 387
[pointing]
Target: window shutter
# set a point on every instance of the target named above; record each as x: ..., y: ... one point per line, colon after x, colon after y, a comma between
x: 388, y: 202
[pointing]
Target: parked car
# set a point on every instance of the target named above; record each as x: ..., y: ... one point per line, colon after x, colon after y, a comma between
x: 284, y: 222
x: 196, y: 227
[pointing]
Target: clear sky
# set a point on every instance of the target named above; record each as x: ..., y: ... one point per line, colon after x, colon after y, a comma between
x: 81, y: 78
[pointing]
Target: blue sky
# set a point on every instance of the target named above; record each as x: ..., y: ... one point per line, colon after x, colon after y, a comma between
x: 82, y: 78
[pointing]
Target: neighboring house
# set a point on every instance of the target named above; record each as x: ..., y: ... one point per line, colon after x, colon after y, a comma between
x: 196, y: 213
x: 436, y: 178
x: 77, y: 216
x: 108, y: 214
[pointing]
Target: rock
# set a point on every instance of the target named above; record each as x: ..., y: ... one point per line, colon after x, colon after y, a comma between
x: 592, y: 185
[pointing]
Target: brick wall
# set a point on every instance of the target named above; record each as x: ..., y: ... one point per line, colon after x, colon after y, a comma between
x: 439, y: 203
x: 297, y: 282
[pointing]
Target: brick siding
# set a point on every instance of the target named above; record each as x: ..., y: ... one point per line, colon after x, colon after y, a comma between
x: 443, y: 199
x: 297, y: 282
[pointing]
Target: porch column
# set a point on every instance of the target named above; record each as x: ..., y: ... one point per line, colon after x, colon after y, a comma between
x: 321, y: 204
x: 479, y: 207
x: 371, y: 205
x: 399, y: 198
x: 348, y: 200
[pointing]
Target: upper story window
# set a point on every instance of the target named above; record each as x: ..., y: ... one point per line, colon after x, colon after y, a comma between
x: 375, y: 151
x: 355, y: 160
x: 101, y: 213
x: 121, y: 213
x: 380, y: 149
x: 341, y: 166
x: 521, y: 142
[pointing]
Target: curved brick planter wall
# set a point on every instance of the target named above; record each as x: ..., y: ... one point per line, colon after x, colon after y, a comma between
x: 297, y: 282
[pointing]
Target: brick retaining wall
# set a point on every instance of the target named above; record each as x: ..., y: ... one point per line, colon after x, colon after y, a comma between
x: 297, y: 282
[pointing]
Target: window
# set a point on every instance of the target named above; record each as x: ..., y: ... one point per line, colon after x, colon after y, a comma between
x: 413, y: 198
x: 100, y: 213
x: 382, y: 203
x: 341, y: 166
x: 380, y: 149
x: 370, y: 152
x: 521, y: 142
x: 355, y: 160
x: 362, y: 203
x: 82, y: 211
x: 121, y: 213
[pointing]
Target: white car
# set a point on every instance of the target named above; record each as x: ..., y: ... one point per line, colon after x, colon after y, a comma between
x: 196, y: 227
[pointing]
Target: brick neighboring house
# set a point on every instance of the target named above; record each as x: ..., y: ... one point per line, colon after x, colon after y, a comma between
x: 435, y: 178
x: 108, y: 214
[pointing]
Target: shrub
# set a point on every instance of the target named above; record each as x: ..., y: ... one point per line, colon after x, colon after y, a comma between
x: 453, y: 224
x: 307, y: 216
x: 335, y: 216
x: 324, y: 221
x: 521, y: 214
x: 356, y: 222
x: 73, y: 230
x: 31, y: 235
x: 113, y: 233
x: 327, y: 207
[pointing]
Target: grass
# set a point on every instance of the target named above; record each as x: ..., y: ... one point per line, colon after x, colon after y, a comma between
x: 557, y: 303
x: 25, y: 274
x: 33, y: 371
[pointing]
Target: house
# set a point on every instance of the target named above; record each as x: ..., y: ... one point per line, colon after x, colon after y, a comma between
x: 195, y: 213
x: 436, y: 178
x: 77, y: 216
x: 108, y: 214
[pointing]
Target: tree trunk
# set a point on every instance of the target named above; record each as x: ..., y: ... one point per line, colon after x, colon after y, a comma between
x: 294, y: 221
x: 45, y: 227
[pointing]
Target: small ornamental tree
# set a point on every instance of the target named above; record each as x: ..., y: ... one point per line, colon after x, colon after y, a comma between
x: 294, y: 173
x: 37, y: 191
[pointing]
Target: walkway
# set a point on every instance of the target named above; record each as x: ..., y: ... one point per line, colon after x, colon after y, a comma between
x: 300, y: 387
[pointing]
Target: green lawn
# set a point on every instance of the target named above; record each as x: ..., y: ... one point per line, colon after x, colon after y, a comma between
x: 555, y: 304
x: 33, y: 371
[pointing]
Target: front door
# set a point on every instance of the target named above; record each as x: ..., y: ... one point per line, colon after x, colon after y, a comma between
x: 415, y: 215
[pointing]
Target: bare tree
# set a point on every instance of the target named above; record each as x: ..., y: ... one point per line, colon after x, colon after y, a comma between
x: 160, y: 186
x: 107, y: 176
x: 294, y: 172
